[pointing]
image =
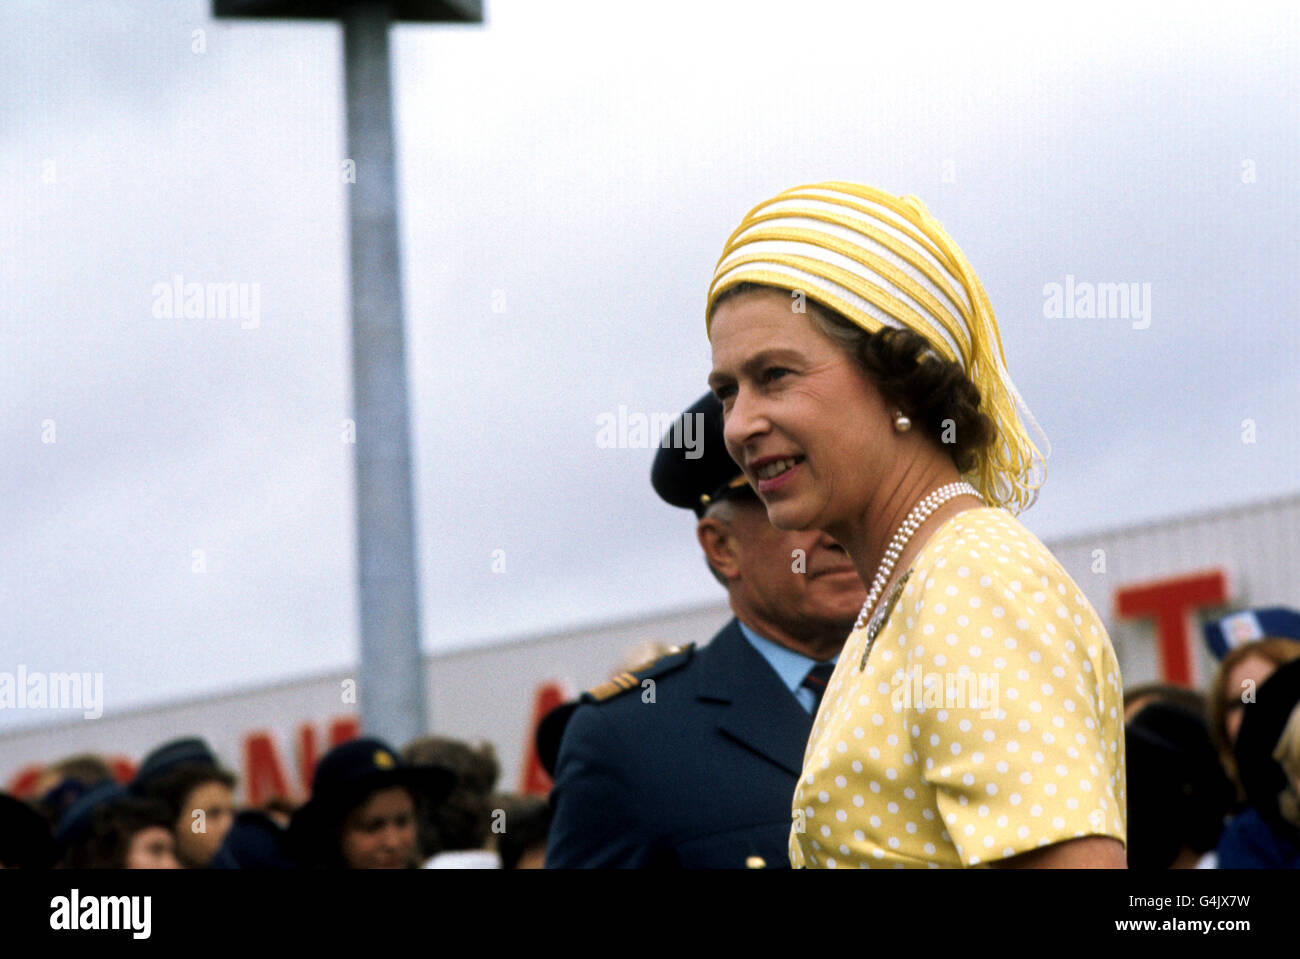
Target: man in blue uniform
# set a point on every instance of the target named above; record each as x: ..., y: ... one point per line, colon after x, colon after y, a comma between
x: 692, y: 761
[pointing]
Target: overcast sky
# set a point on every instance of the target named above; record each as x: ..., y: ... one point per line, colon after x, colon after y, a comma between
x: 568, y: 174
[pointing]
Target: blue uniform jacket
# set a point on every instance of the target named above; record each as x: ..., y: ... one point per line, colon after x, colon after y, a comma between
x: 702, y: 777
x: 1248, y: 842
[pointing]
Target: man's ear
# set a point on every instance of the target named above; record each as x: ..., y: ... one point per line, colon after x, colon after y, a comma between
x: 719, y: 546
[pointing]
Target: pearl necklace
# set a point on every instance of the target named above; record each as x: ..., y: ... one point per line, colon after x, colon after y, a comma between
x: 919, y: 514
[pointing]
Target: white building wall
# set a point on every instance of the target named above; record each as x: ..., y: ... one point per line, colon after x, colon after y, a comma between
x: 484, y: 693
x: 1257, y: 546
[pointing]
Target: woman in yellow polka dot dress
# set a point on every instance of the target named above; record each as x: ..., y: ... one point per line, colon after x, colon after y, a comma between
x: 974, y: 716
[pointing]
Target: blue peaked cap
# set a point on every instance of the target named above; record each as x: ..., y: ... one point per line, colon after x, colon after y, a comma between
x: 1248, y: 625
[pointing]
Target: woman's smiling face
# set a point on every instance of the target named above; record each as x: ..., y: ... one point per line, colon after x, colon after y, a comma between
x: 801, y: 418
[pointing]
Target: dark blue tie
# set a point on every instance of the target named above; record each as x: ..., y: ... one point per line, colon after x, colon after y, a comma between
x: 816, y: 680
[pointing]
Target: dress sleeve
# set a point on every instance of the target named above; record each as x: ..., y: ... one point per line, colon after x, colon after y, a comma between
x: 1015, y: 701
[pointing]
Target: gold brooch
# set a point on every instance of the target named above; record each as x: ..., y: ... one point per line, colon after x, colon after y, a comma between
x: 881, y: 616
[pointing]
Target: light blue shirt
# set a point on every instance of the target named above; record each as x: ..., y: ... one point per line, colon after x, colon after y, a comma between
x: 792, y: 667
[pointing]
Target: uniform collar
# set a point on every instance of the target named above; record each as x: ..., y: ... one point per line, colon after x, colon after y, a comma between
x: 792, y: 667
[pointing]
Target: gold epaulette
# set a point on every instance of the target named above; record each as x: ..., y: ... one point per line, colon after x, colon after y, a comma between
x: 619, y: 684
x: 673, y: 657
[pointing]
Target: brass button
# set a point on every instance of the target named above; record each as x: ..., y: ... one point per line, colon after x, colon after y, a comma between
x: 755, y: 862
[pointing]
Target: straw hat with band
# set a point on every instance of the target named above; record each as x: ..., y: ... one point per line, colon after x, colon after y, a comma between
x: 880, y: 260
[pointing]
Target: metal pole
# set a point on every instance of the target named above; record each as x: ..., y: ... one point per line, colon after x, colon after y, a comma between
x: 391, y: 688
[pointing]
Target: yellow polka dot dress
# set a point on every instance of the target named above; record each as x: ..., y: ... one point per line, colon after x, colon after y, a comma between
x: 987, y: 721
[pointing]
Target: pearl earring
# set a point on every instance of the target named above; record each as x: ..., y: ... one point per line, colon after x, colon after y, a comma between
x: 901, y: 422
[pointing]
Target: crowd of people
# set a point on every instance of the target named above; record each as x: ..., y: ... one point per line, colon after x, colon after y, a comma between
x: 1214, y: 774
x: 1213, y: 782
x: 432, y: 805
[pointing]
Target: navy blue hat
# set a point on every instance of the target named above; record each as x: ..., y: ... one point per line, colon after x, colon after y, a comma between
x: 171, y: 756
x: 1262, y: 723
x: 25, y: 840
x: 692, y: 467
x: 343, y: 778
x: 60, y: 797
x: 255, y: 841
x: 78, y: 823
x: 1248, y: 625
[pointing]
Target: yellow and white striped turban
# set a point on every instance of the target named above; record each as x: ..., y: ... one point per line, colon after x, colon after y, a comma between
x: 882, y: 260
